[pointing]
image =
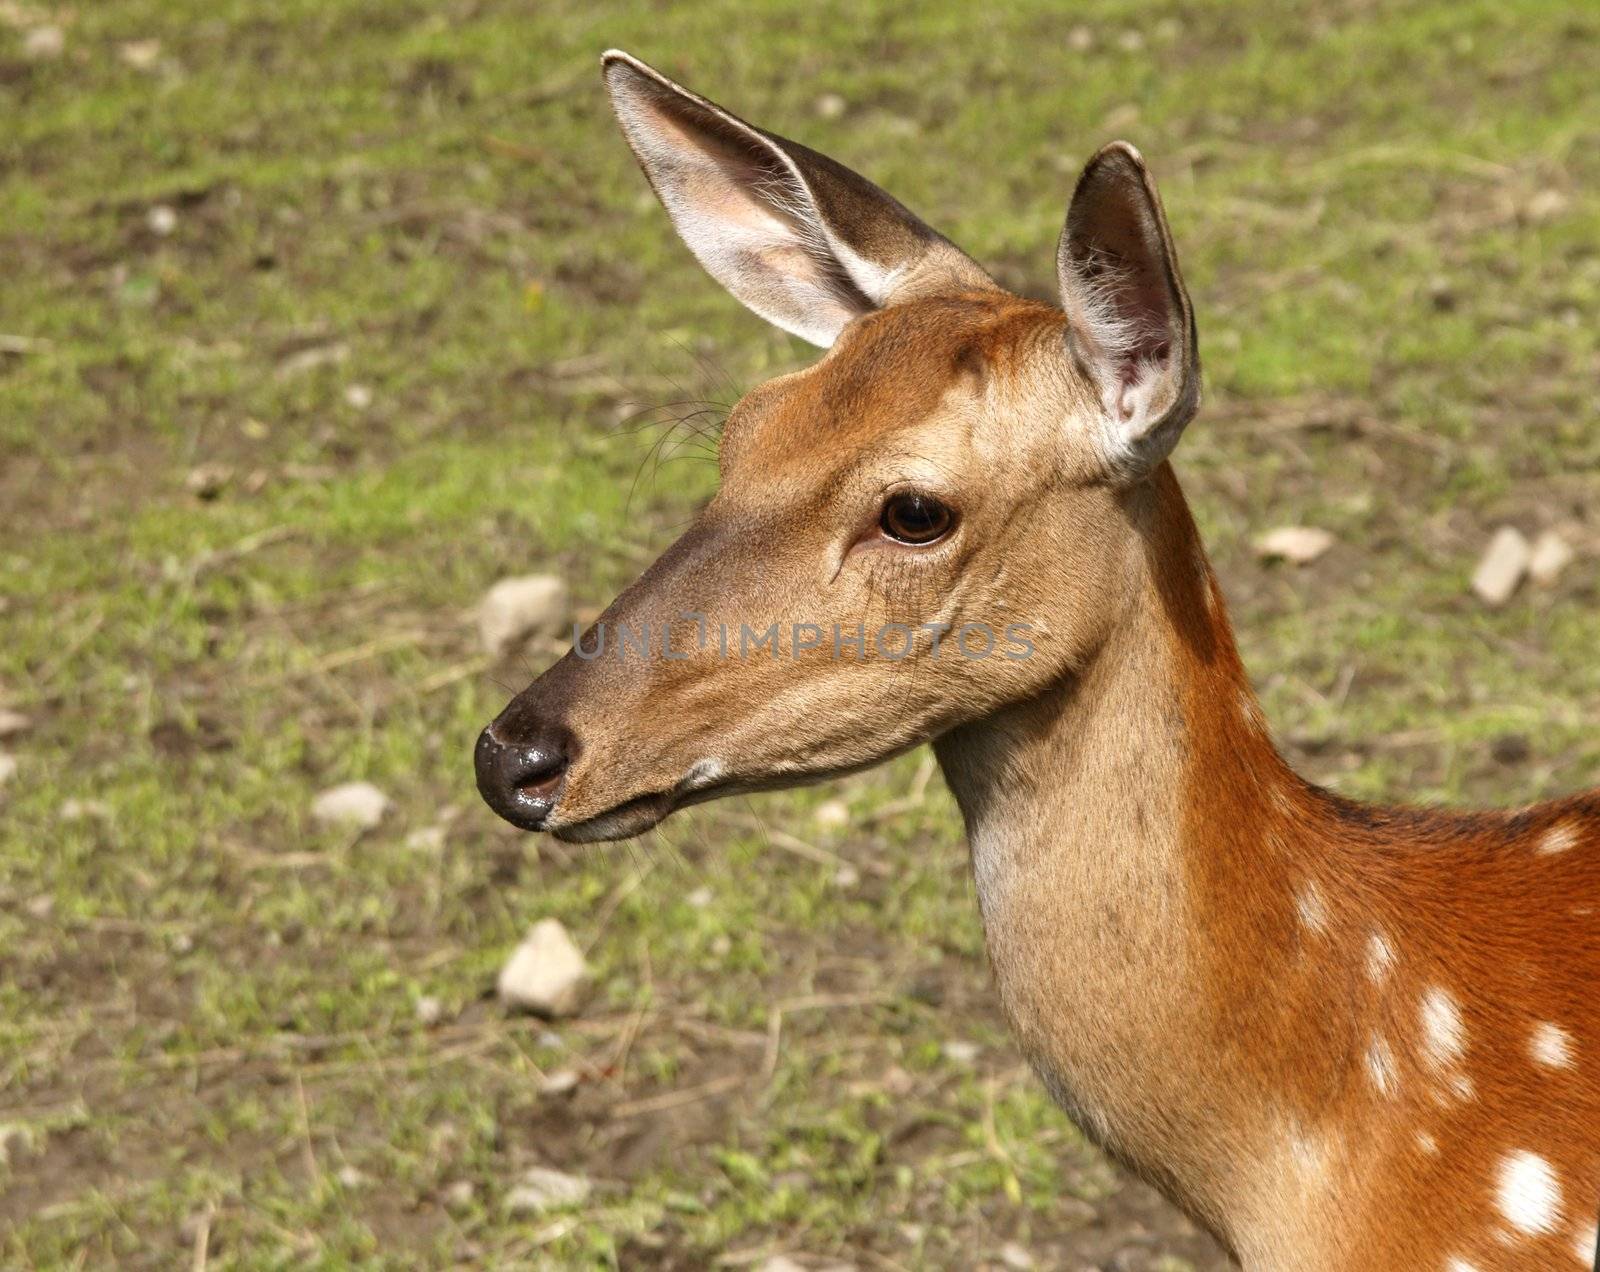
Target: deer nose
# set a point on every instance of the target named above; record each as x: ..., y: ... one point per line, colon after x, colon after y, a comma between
x: 521, y: 780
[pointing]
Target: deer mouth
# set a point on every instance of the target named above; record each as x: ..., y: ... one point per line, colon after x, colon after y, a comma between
x: 621, y: 821
x: 704, y: 781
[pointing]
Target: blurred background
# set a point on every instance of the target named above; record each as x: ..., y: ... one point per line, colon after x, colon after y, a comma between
x: 318, y: 320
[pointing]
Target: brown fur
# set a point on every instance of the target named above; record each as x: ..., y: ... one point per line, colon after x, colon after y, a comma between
x: 1142, y: 912
x: 1311, y: 1022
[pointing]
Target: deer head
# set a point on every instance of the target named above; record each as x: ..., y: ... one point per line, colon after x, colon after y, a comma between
x: 935, y: 520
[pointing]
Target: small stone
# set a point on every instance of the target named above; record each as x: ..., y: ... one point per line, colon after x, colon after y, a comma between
x: 1551, y: 555
x: 8, y: 767
x: 350, y: 1177
x: 1298, y: 545
x: 161, y: 219
x: 142, y: 55
x: 358, y: 396
x: 1504, y: 563
x: 207, y: 481
x: 426, y: 839
x: 542, y: 1190
x: 700, y: 898
x: 42, y: 906
x: 360, y: 805
x: 1014, y: 1255
x: 312, y: 357
x: 832, y: 814
x: 515, y: 610
x: 1080, y: 39
x: 74, y: 809
x: 961, y: 1052
x: 1545, y: 206
x: 13, y: 723
x: 831, y: 106
x: 559, y: 1082
x: 430, y: 1011
x: 846, y: 876
x: 181, y: 943
x: 459, y: 1195
x: 44, y: 43
x: 545, y: 973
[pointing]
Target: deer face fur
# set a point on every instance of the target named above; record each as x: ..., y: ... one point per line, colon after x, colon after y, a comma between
x: 995, y: 429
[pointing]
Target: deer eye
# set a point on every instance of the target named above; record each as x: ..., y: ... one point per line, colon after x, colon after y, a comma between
x: 915, y: 519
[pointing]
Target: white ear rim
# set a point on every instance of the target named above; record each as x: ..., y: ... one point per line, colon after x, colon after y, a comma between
x: 805, y: 307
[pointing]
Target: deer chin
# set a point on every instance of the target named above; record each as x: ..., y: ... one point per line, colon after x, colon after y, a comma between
x: 637, y: 814
x: 623, y: 821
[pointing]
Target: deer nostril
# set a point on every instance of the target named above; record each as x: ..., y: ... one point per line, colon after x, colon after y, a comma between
x: 535, y: 770
x: 522, y: 780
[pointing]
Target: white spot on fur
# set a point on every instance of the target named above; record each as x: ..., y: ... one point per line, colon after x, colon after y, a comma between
x: 1559, y: 838
x: 1380, y: 958
x: 1444, y: 1037
x: 1586, y: 1245
x: 1460, y: 1265
x: 1427, y: 1143
x: 1312, y: 909
x: 1528, y: 1193
x: 1380, y: 1066
x: 702, y: 773
x: 1311, y: 1154
x: 1551, y: 1046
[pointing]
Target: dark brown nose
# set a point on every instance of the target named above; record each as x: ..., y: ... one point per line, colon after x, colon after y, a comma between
x: 521, y: 780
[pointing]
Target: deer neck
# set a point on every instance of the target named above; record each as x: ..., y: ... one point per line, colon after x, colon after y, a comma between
x: 1136, y: 883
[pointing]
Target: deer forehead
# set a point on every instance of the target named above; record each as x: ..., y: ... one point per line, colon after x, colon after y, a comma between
x: 939, y: 372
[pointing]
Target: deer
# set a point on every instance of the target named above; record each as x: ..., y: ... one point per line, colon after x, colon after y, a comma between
x: 1336, y: 1035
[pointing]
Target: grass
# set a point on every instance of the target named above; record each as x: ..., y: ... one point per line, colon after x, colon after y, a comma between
x: 209, y: 1037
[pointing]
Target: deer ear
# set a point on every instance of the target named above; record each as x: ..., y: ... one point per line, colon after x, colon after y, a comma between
x: 802, y: 240
x: 1130, y: 323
